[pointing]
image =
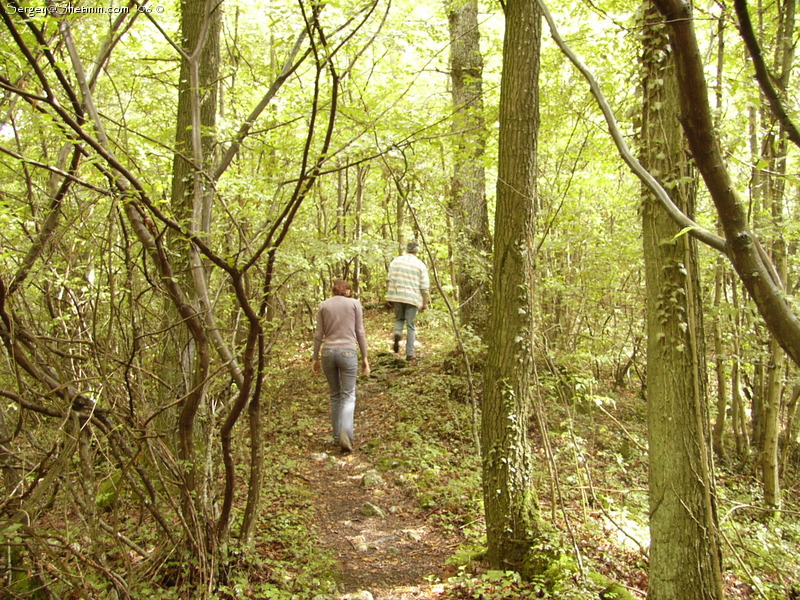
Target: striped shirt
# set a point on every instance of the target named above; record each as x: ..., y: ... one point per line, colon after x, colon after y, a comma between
x: 407, y: 280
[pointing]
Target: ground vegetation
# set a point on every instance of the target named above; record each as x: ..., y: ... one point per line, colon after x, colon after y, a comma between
x: 181, y: 182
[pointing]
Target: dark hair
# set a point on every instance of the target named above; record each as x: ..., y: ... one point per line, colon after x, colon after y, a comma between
x: 341, y: 288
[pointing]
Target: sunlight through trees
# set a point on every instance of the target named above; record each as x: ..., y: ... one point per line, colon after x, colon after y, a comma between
x: 180, y: 183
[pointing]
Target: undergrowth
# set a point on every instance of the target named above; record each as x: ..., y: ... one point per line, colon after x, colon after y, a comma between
x: 591, y: 476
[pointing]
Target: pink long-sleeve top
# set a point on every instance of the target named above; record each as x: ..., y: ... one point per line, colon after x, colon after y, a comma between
x: 340, y: 324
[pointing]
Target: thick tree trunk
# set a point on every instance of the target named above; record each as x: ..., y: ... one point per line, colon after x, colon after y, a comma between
x: 748, y: 258
x: 468, y: 204
x: 511, y: 504
x: 200, y: 30
x: 197, y: 99
x: 684, y: 549
x: 186, y: 352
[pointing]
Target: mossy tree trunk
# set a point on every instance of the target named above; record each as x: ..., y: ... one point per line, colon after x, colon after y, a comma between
x: 511, y: 503
x: 684, y: 547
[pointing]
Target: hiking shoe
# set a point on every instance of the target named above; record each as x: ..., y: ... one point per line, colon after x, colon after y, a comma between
x: 396, y: 344
x: 411, y: 359
x: 344, y: 442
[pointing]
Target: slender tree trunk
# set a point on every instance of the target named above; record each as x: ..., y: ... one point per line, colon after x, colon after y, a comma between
x: 341, y: 270
x: 757, y: 404
x: 685, y: 560
x: 774, y: 152
x: 341, y: 196
x: 510, y: 499
x: 718, y: 436
x: 401, y: 220
x: 739, y: 420
x: 789, y: 432
x: 468, y: 203
x: 361, y: 176
x: 719, y: 362
x: 772, y: 412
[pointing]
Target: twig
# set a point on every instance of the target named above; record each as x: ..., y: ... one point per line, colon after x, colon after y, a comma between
x: 467, y: 365
x: 753, y: 580
x: 621, y: 426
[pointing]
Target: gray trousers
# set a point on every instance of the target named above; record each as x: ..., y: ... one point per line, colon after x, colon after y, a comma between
x: 340, y: 366
x: 405, y: 314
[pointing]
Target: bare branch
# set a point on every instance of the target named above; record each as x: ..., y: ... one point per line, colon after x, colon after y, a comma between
x: 763, y: 75
x: 638, y: 169
x: 752, y: 265
x: 289, y: 67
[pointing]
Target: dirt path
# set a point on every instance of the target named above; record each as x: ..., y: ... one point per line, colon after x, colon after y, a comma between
x: 396, y: 554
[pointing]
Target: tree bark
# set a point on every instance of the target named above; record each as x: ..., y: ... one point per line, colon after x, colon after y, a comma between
x: 718, y: 436
x: 186, y: 360
x: 468, y: 203
x: 685, y: 559
x: 775, y: 149
x: 789, y: 437
x: 753, y: 267
x: 718, y: 433
x: 738, y: 416
x: 510, y: 500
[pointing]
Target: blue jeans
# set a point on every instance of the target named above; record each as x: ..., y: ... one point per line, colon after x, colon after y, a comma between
x: 340, y: 366
x: 405, y: 314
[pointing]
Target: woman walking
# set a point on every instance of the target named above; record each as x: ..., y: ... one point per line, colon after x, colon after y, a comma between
x: 339, y: 336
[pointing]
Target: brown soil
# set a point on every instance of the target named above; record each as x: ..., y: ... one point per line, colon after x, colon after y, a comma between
x: 396, y: 556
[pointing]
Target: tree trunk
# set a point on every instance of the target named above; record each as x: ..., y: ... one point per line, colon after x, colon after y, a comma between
x: 738, y: 416
x: 758, y: 390
x: 186, y: 357
x: 789, y: 432
x: 468, y: 204
x: 400, y: 211
x: 197, y: 101
x: 773, y: 153
x: 748, y: 258
x: 510, y: 500
x: 684, y: 548
x: 361, y: 175
x: 739, y: 421
x: 770, y: 443
x: 719, y: 363
x: 718, y: 435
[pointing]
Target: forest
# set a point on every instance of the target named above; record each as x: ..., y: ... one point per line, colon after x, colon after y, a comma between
x: 604, y: 398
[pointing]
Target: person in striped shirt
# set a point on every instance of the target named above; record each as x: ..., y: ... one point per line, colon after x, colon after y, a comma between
x: 408, y: 285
